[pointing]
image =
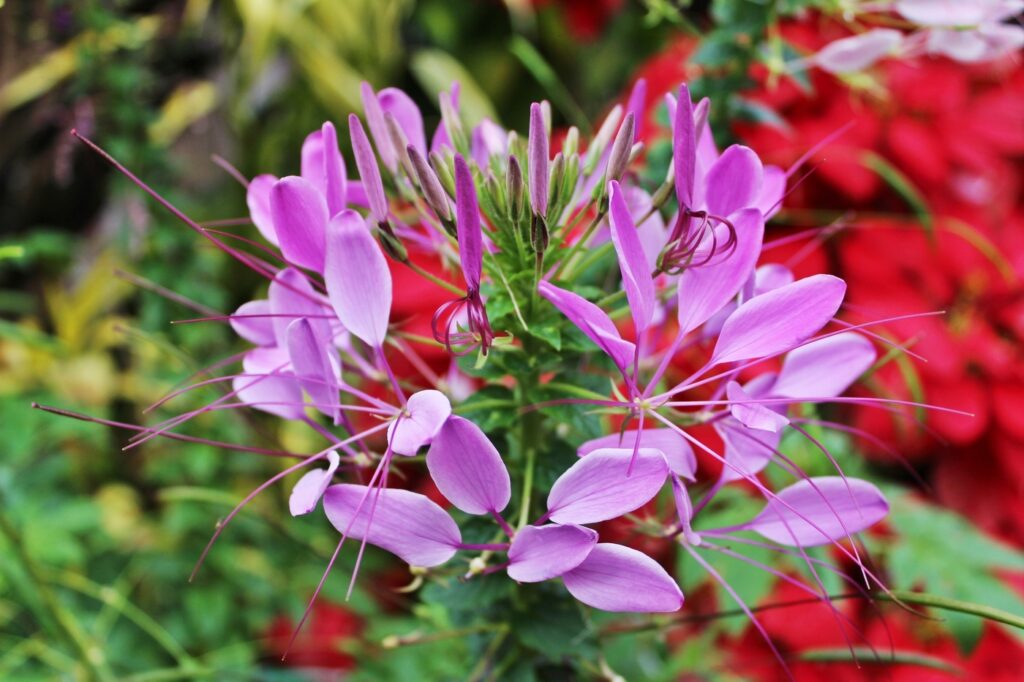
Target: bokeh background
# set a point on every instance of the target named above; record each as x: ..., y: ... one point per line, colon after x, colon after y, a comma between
x: 923, y: 193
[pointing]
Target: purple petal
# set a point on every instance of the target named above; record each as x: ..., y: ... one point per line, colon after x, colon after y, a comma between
x: 824, y: 368
x: 467, y: 469
x: 539, y: 158
x: 773, y: 190
x: 826, y: 510
x: 984, y: 43
x: 356, y: 195
x: 753, y: 415
x: 601, y: 485
x: 705, y: 289
x: 771, y: 276
x: 310, y: 488
x: 636, y: 106
x: 734, y: 181
x: 593, y: 322
x: 544, y: 552
x: 652, y: 232
x: 324, y: 167
x: 677, y: 450
x: 378, y: 128
x: 313, y: 367
x: 404, y: 523
x: 684, y: 148
x: 617, y: 578
x: 858, y: 52
x: 335, y: 182
x: 312, y: 164
x: 684, y: 510
x: 257, y: 198
x: 257, y: 330
x: 954, y: 13
x: 291, y: 297
x: 369, y: 171
x: 467, y: 223
x: 748, y: 451
x: 636, y: 275
x: 425, y: 414
x: 405, y: 111
x: 300, y: 217
x: 357, y: 277
x: 440, y: 140
x: 489, y: 139
x: 779, y: 320
x: 278, y: 394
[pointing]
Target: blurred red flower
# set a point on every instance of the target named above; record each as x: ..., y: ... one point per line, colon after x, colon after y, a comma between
x: 319, y: 644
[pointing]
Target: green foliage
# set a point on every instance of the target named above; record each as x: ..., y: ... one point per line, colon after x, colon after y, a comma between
x: 941, y: 552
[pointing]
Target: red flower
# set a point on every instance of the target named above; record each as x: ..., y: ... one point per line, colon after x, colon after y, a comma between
x: 319, y: 644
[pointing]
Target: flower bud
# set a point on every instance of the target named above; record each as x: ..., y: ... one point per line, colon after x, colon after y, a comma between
x: 430, y: 186
x: 453, y: 123
x: 391, y: 244
x: 555, y: 182
x: 378, y: 128
x: 539, y: 159
x: 601, y: 140
x: 444, y: 172
x: 515, y: 190
x: 619, y: 159
x: 399, y: 142
x: 571, y: 144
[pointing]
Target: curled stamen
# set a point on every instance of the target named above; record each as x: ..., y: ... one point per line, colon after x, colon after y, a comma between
x: 688, y: 242
x: 478, y: 332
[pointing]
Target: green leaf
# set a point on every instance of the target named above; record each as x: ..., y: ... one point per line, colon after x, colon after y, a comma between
x: 552, y: 626
x: 898, y: 181
x: 548, y: 78
x: 941, y: 552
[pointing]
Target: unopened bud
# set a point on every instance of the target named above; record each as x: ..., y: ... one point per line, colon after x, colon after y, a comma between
x: 399, y: 142
x: 555, y: 182
x: 515, y: 190
x: 602, y: 139
x: 453, y: 123
x: 571, y: 144
x: 444, y: 172
x: 391, y: 244
x: 619, y: 159
x: 495, y: 193
x: 569, y: 178
x: 430, y: 186
x: 539, y: 235
x: 635, y: 152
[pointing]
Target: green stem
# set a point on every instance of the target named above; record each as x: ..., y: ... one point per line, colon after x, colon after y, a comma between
x: 524, y: 506
x: 898, y: 596
x: 435, y: 279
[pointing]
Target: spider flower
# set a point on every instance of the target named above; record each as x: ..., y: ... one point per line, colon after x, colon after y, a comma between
x: 470, y: 473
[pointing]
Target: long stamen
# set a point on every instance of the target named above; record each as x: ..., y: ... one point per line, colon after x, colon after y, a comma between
x: 742, y: 604
x: 269, y: 482
x: 169, y: 435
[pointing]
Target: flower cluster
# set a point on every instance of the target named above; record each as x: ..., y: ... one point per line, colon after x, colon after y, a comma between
x: 954, y: 134
x: 506, y: 213
x: 964, y: 31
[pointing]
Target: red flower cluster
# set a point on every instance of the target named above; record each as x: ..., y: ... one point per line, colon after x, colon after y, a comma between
x: 956, y: 134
